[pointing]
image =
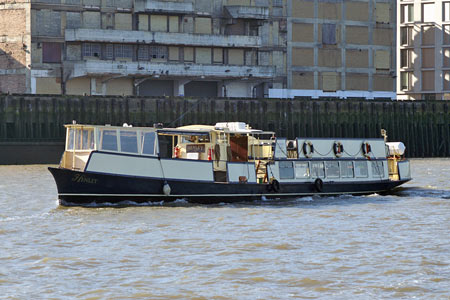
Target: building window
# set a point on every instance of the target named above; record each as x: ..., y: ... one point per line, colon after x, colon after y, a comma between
x: 428, y: 35
x: 73, y: 20
x: 405, y: 58
x: 446, y: 33
x: 446, y: 11
x: 405, y: 81
x: 109, y: 52
x: 51, y: 52
x: 428, y: 12
x: 278, y: 3
x: 446, y: 78
x: 123, y: 51
x: 406, y: 36
x: 446, y: 57
x: 407, y: 13
x: 428, y: 80
x: 428, y: 58
x: 92, y: 50
x: 158, y: 52
x: 143, y: 52
x: 329, y: 34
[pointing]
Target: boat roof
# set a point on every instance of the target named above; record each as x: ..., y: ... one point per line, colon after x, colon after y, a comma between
x: 182, y: 130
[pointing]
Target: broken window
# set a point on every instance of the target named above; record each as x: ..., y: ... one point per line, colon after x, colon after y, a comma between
x: 91, y: 49
x: 158, y: 52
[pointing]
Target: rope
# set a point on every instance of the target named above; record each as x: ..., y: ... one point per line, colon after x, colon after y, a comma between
x: 315, y: 150
x: 162, y: 169
x: 183, y: 114
x: 354, y: 154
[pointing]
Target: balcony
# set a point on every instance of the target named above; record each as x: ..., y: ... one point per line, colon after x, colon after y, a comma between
x: 163, y: 38
x: 246, y: 12
x: 168, y: 70
x: 163, y: 7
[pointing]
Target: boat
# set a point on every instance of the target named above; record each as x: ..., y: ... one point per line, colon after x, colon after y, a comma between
x: 222, y: 163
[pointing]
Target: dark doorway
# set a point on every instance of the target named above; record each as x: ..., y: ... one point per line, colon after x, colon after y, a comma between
x: 156, y: 88
x: 201, y: 89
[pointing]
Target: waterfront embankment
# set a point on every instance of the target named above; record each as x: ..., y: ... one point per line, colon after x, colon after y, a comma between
x: 32, y: 123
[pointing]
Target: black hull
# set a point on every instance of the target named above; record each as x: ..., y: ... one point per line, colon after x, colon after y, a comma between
x: 81, y: 188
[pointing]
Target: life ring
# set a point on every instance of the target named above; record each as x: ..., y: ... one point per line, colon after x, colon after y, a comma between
x: 308, y: 149
x: 366, y: 148
x: 338, y: 149
x: 318, y: 184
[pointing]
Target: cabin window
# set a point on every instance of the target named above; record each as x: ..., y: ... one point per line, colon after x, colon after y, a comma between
x: 88, y: 139
x: 188, y: 139
x: 301, y: 169
x: 78, y: 139
x: 109, y: 140
x: 286, y: 169
x: 377, y: 168
x: 332, y: 169
x: 317, y: 169
x: 347, y: 170
x: 204, y: 138
x: 361, y: 169
x: 71, y: 139
x: 148, y: 143
x: 128, y: 141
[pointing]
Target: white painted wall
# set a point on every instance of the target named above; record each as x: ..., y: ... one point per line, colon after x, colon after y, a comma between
x: 288, y: 93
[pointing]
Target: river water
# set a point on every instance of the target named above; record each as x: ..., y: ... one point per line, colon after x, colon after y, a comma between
x: 348, y: 247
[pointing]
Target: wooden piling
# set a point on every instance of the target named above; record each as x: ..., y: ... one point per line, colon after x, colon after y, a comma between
x: 422, y: 125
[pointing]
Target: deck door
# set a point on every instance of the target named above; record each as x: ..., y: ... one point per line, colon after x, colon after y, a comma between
x: 239, y: 148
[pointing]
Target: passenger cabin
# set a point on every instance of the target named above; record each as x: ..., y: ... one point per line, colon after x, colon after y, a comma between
x: 227, y: 152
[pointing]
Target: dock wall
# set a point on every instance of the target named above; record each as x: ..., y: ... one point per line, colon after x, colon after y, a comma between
x: 34, y: 123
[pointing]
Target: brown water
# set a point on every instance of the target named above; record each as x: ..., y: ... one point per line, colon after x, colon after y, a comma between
x: 370, y: 247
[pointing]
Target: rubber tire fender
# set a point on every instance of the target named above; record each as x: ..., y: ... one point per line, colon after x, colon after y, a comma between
x: 275, y: 186
x: 318, y: 184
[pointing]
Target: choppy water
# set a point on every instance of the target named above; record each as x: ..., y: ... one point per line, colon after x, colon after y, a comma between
x: 369, y: 247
